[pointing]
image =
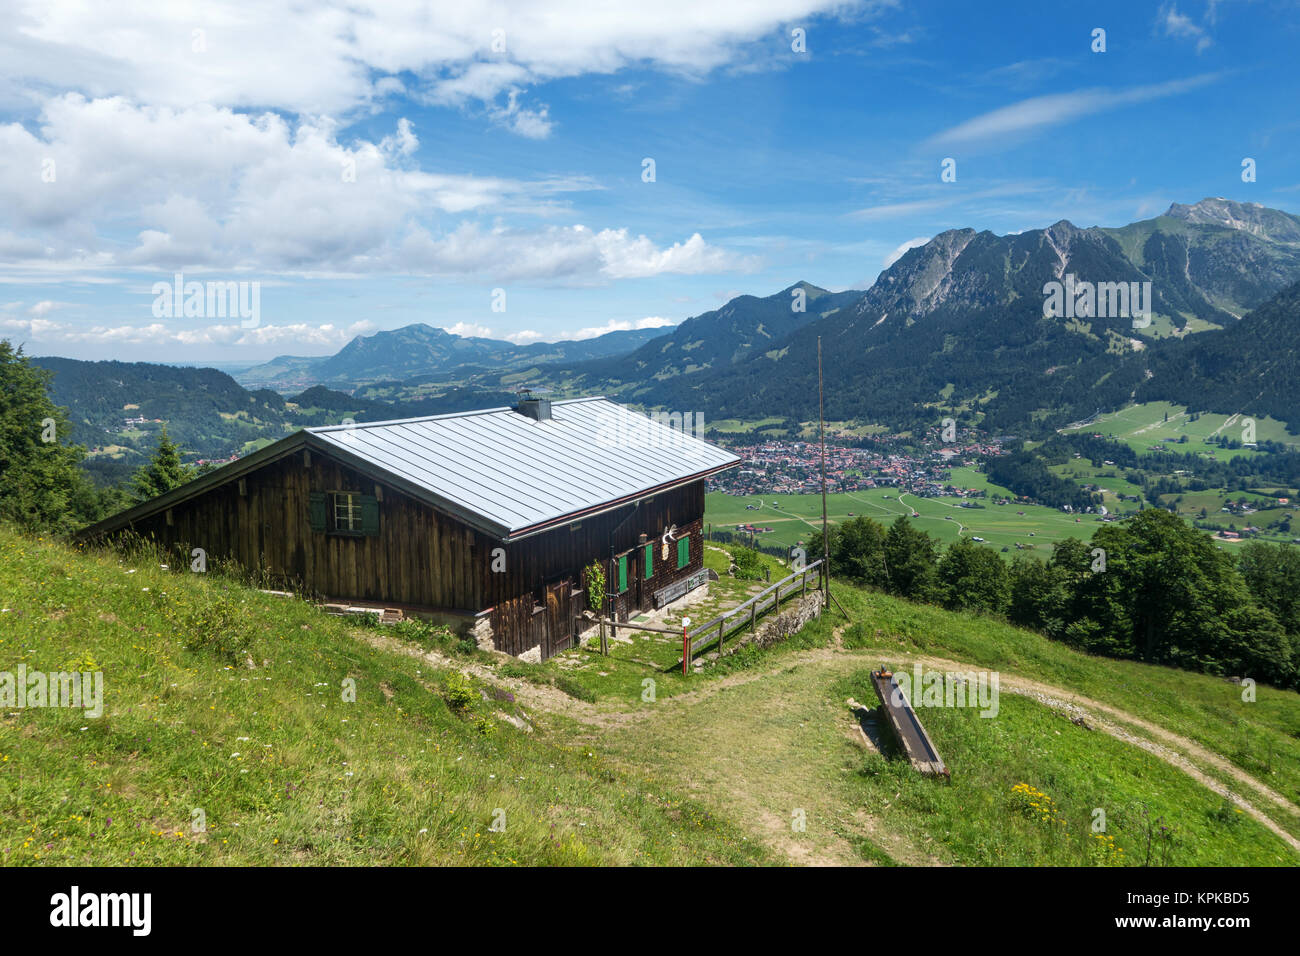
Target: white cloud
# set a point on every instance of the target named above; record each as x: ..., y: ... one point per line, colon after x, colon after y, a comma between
x: 403, y: 143
x: 525, y: 337
x: 332, y: 56
x: 898, y: 253
x: 1175, y: 24
x: 530, y: 123
x: 1001, y: 126
x: 896, y: 210
x: 158, y: 334
x: 182, y: 137
x: 529, y: 336
x: 619, y: 325
x: 260, y: 194
x: 33, y: 328
x: 942, y: 197
x: 624, y: 257
x: 470, y: 330
x: 555, y: 252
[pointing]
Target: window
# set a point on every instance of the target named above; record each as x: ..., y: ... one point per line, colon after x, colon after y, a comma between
x: 683, y: 551
x: 622, y: 574
x: 649, y: 561
x: 347, y: 513
x: 344, y: 512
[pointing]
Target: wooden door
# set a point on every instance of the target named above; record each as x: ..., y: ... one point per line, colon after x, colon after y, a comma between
x: 559, y: 617
x: 511, y: 624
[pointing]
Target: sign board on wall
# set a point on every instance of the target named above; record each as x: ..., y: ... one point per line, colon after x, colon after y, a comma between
x: 675, y: 590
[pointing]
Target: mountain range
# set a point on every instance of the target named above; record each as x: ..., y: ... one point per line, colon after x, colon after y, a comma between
x: 431, y: 354
x: 956, y: 326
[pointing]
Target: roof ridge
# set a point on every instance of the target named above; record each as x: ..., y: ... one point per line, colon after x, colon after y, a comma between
x: 318, y: 429
x: 501, y: 477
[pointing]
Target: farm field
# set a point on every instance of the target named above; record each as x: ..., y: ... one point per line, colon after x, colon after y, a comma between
x: 796, y: 518
x: 1191, y: 504
x: 1142, y: 427
x: 735, y: 426
x: 1107, y: 477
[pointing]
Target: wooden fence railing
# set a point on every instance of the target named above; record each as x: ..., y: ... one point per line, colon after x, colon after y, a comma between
x: 701, y: 637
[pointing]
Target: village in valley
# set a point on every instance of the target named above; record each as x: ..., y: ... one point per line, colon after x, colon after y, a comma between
x: 780, y: 467
x: 922, y: 475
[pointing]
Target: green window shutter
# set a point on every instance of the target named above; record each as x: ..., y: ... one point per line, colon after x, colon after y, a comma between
x: 622, y: 574
x: 683, y: 552
x: 369, y: 514
x: 649, y: 561
x: 317, y: 511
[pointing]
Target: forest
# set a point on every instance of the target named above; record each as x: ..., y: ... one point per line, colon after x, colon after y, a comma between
x: 1151, y: 588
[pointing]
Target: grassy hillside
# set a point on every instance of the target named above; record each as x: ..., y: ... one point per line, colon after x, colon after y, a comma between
x: 1153, y: 424
x: 222, y: 699
x: 229, y: 701
x: 766, y: 732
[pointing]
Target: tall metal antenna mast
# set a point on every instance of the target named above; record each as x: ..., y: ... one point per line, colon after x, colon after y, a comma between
x: 821, y: 429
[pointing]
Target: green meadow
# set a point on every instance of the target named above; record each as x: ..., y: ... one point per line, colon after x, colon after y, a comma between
x: 1161, y: 424
x: 795, y: 518
x: 244, y: 728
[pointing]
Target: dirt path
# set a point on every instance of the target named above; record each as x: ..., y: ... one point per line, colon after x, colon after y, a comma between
x: 542, y: 697
x: 774, y: 752
x: 718, y: 741
x: 1174, y: 749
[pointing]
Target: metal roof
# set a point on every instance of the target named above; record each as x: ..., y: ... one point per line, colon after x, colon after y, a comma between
x: 497, y: 470
x: 510, y: 474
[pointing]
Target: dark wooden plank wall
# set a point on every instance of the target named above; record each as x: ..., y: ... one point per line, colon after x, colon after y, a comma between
x: 639, y: 595
x: 420, y: 556
x: 534, y: 562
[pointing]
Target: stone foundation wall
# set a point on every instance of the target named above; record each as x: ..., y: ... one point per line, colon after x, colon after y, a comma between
x: 481, y: 631
x: 786, y: 624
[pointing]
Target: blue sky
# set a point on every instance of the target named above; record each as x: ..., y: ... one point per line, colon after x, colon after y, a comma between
x: 216, y: 141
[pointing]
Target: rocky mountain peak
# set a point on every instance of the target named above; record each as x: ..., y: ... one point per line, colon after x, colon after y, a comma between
x: 1248, y: 217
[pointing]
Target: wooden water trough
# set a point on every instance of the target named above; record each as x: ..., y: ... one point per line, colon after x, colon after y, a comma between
x: 907, y: 726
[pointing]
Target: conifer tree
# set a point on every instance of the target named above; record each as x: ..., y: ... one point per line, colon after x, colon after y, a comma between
x: 164, y: 472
